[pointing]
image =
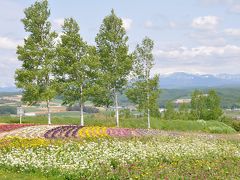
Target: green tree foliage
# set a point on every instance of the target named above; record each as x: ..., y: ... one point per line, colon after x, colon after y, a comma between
x: 183, y: 111
x: 213, y: 105
x: 198, y: 105
x: 140, y: 90
x: 144, y: 91
x: 37, y: 56
x: 170, y: 113
x: 205, y: 106
x: 102, y: 94
x: 76, y: 66
x: 115, y: 60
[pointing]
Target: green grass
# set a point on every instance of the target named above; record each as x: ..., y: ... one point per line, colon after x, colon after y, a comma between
x: 10, y: 175
x: 74, y: 114
x: 101, y: 120
x: 199, y: 126
x: 31, y: 109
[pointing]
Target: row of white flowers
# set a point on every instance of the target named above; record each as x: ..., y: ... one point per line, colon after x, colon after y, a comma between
x: 91, y: 156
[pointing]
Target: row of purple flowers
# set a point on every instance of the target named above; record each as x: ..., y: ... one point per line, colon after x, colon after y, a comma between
x: 63, y: 132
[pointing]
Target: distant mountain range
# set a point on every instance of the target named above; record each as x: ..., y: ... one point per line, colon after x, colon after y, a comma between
x: 180, y: 80
x: 9, y: 89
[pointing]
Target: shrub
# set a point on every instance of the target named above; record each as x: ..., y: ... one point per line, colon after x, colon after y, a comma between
x: 202, y: 122
x: 236, y: 125
x: 230, y: 122
x: 219, y: 127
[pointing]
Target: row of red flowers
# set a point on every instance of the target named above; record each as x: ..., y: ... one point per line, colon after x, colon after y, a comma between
x: 9, y: 127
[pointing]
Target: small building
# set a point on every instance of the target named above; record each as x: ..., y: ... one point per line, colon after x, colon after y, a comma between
x: 182, y: 101
x: 30, y: 114
x: 237, y: 117
x: 15, y: 98
x: 161, y: 110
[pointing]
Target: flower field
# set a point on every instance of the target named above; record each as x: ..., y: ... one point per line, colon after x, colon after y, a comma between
x: 9, y: 127
x: 76, y: 152
x: 70, y: 131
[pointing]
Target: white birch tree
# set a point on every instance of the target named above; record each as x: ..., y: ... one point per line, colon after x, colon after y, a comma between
x: 76, y: 66
x: 115, y: 59
x: 37, y: 56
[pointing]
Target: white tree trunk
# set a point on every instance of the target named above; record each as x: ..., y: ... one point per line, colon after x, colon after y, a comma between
x: 116, y: 108
x: 81, y: 115
x: 49, y: 113
x: 148, y: 114
x: 81, y: 108
x: 20, y: 119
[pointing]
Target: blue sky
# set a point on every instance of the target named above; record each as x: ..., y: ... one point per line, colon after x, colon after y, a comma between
x: 195, y: 36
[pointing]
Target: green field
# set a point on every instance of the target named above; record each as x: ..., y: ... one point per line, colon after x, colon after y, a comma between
x: 101, y: 120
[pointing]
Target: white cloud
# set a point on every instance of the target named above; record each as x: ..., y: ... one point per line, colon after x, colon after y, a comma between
x: 7, y: 43
x: 235, y: 8
x: 148, y: 24
x: 163, y: 24
x: 8, y: 65
x: 232, y: 32
x: 202, y: 59
x: 59, y: 22
x: 202, y: 51
x: 127, y: 23
x: 205, y: 22
x: 172, y: 24
x: 208, y: 38
x: 215, y: 41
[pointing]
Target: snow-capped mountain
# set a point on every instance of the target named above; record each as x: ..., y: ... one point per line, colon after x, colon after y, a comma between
x: 185, y: 80
x: 181, y: 80
x: 229, y: 76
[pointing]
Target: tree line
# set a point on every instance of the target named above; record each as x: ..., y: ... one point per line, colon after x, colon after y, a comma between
x: 66, y: 65
x: 205, y: 106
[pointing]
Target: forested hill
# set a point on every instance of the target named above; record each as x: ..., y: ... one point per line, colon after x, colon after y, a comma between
x: 230, y: 97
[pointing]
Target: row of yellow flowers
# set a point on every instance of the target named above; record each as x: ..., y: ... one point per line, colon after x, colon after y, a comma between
x: 87, y: 132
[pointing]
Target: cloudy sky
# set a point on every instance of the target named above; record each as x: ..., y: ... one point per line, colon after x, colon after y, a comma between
x: 195, y: 36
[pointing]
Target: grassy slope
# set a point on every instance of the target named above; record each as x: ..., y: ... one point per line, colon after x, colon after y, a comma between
x: 100, y: 120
